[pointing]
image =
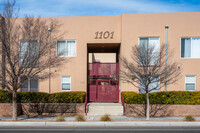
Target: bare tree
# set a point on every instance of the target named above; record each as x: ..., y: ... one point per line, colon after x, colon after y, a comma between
x: 25, y: 49
x: 146, y: 69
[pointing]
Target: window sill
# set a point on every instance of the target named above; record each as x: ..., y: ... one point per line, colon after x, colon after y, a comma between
x: 65, y: 90
x: 190, y: 90
x: 65, y: 56
x: 190, y: 58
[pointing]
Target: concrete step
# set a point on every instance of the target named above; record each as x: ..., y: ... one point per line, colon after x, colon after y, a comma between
x: 105, y: 110
x: 113, y: 108
x: 104, y: 104
x: 96, y: 109
x: 103, y: 113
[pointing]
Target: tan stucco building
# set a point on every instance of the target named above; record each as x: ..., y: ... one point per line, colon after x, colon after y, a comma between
x: 103, y: 39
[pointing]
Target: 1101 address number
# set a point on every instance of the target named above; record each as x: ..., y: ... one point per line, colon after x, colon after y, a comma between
x: 104, y: 35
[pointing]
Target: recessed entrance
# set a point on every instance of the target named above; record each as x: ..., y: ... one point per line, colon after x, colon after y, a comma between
x: 103, y: 73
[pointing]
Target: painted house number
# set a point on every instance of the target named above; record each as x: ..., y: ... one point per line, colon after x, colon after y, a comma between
x: 104, y: 35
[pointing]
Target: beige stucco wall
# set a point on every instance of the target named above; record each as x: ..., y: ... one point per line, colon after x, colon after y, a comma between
x: 81, y: 29
x: 127, y: 29
x: 153, y: 25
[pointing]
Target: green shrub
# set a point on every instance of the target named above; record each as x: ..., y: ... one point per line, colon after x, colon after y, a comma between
x: 80, y: 118
x: 5, y: 97
x: 32, y: 97
x: 189, y: 118
x: 41, y: 97
x: 134, y: 98
x: 67, y: 97
x: 105, y: 117
x: 1, y: 90
x: 173, y: 97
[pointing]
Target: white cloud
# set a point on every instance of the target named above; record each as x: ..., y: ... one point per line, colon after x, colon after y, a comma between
x: 101, y: 7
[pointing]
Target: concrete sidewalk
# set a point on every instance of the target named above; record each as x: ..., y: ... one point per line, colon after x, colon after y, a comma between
x: 100, y: 124
x: 97, y: 118
x: 93, y: 121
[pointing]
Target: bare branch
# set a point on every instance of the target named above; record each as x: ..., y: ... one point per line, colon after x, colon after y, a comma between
x: 146, y: 69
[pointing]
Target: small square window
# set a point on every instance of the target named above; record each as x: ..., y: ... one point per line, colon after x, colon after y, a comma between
x: 190, y: 83
x: 154, y: 86
x: 29, y: 84
x: 66, y: 83
x: 66, y: 48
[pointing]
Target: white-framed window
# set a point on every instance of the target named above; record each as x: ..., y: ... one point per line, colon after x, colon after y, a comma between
x: 28, y: 53
x: 149, y: 48
x: 66, y: 83
x: 29, y: 84
x: 154, y: 85
x: 190, y: 82
x: 190, y: 47
x: 66, y: 48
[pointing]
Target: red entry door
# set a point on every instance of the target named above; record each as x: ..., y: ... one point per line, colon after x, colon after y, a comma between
x: 105, y: 90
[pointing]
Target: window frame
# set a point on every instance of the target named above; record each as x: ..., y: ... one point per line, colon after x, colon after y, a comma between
x: 67, y: 41
x: 29, y: 84
x: 156, y: 90
x: 20, y: 53
x: 190, y: 83
x: 148, y: 44
x: 66, y: 83
x: 190, y: 46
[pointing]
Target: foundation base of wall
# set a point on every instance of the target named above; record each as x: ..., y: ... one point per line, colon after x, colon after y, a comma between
x: 32, y: 109
x: 157, y: 110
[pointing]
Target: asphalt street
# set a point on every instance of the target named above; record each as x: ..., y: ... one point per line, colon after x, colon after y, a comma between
x: 100, y: 130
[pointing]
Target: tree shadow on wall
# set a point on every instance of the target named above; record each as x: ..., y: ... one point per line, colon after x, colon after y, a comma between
x: 38, y: 109
x: 158, y: 110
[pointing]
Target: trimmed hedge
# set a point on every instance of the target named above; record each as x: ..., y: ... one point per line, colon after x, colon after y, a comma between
x: 41, y: 97
x: 173, y: 97
x: 67, y: 97
x: 32, y: 97
x: 5, y: 97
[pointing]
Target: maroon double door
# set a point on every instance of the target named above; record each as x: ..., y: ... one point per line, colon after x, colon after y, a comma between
x: 103, y: 87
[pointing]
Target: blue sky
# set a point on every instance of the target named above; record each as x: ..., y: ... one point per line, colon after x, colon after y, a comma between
x: 45, y: 8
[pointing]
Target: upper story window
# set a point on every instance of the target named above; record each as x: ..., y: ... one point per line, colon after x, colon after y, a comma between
x: 66, y: 48
x: 28, y: 53
x: 149, y: 51
x: 29, y: 84
x: 190, y: 47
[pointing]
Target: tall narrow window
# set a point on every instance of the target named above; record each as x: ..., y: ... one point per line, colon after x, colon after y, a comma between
x: 149, y: 51
x: 25, y: 85
x: 190, y: 83
x: 66, y: 83
x: 28, y: 53
x: 66, y: 48
x: 33, y: 84
x: 190, y: 47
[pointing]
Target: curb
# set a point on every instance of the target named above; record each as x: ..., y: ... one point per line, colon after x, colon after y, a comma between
x: 99, y: 124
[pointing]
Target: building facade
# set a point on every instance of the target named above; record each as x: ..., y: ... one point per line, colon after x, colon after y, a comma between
x: 95, y: 43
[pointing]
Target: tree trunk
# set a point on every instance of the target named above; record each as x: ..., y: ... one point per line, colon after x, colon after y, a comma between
x: 14, y: 99
x: 147, y: 107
